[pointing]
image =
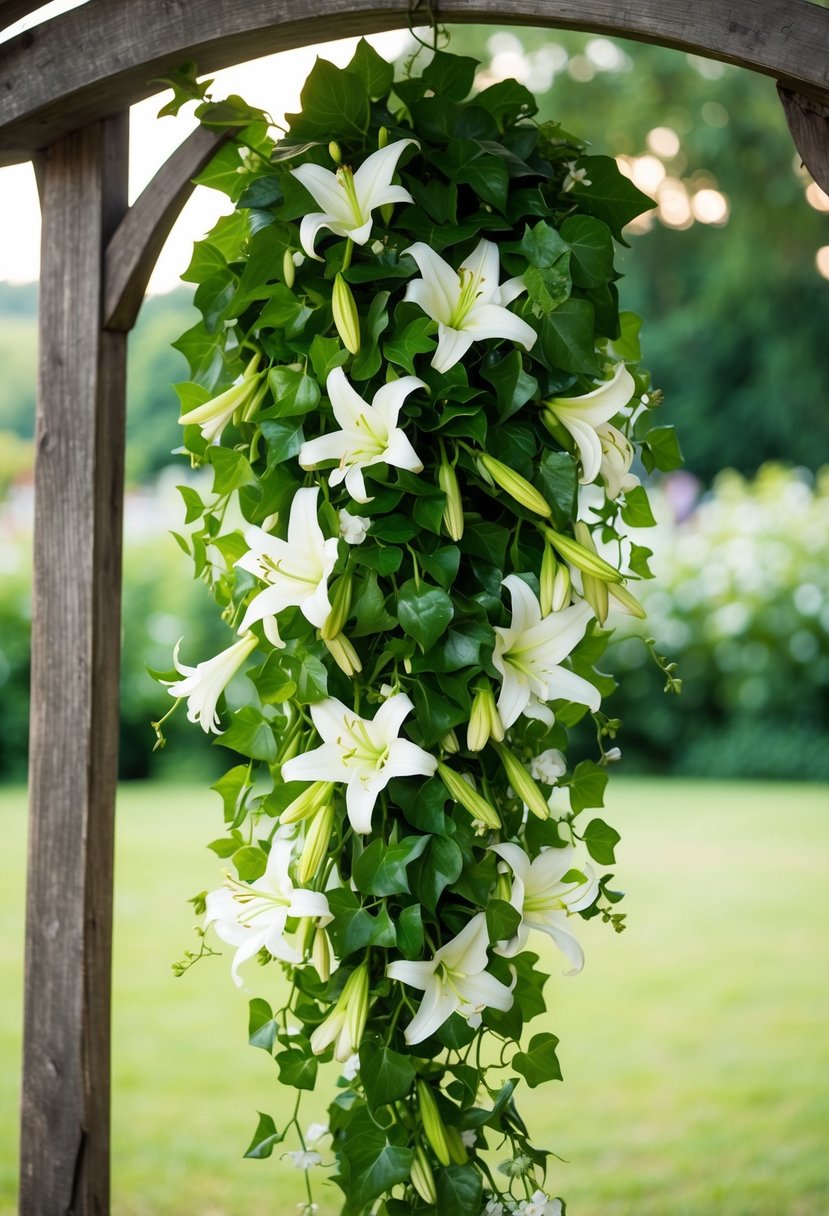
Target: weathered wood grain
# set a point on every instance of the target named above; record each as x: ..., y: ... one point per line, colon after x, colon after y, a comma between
x: 809, y: 124
x: 138, y: 240
x: 74, y: 713
x: 105, y: 55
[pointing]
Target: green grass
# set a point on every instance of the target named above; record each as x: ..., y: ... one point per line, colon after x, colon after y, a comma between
x: 694, y: 1046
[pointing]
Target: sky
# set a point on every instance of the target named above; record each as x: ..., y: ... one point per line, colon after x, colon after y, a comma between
x: 274, y: 83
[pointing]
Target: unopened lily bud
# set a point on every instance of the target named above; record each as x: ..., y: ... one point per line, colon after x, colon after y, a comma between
x: 307, y: 803
x: 342, y: 1021
x: 241, y: 400
x: 423, y: 1180
x: 626, y: 601
x: 345, y: 315
x: 431, y: 1122
x: 340, y: 608
x: 457, y: 1148
x: 450, y: 743
x: 484, y: 720
x: 468, y: 797
x: 317, y: 839
x: 357, y: 1010
x: 561, y: 589
x: 549, y: 569
x: 344, y: 654
x: 595, y: 589
x: 503, y: 886
x: 382, y: 137
x: 321, y: 955
x: 521, y: 781
x: 335, y: 152
x: 515, y: 485
x: 288, y: 268
x: 453, y: 511
x: 583, y: 558
x: 306, y: 929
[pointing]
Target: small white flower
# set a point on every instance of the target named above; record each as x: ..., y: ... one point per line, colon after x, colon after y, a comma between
x: 494, y: 1208
x: 295, y: 570
x: 545, y: 898
x: 548, y: 766
x: 204, y: 684
x: 540, y: 1205
x: 351, y: 1067
x: 308, y: 1209
x: 315, y: 1133
x: 468, y: 304
x: 252, y: 915
x: 368, y: 434
x: 302, y: 1159
x: 364, y: 753
x: 585, y: 417
x: 469, y: 1138
x: 528, y: 655
x: 575, y: 177
x: 613, y: 755
x: 348, y: 198
x: 353, y: 528
x: 455, y: 980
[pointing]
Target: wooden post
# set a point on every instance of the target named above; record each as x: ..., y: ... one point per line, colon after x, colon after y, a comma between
x: 75, y: 660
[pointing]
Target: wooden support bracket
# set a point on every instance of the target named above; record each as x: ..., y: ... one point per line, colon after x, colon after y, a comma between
x: 808, y: 121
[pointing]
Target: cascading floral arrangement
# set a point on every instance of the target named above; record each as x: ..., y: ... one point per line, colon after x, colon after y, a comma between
x: 411, y: 357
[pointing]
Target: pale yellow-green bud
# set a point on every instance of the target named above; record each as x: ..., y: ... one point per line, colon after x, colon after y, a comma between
x: 503, y: 886
x: 561, y: 589
x: 307, y: 803
x: 484, y: 719
x: 291, y: 748
x: 340, y: 608
x: 584, y: 559
x: 321, y: 955
x: 239, y: 402
x: 469, y: 798
x: 423, y: 1180
x: 449, y: 743
x: 515, y: 485
x: 595, y: 590
x: 382, y: 137
x: 288, y: 268
x: 335, y: 152
x: 358, y: 1006
x: 453, y: 511
x: 547, y: 581
x: 315, y: 848
x: 344, y: 654
x: 457, y: 1148
x: 345, y: 315
x: 306, y: 929
x: 521, y: 781
x: 628, y: 601
x: 433, y: 1126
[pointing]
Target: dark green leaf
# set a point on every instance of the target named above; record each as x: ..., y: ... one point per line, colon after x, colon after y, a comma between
x: 353, y: 927
x: 367, y: 363
x: 513, y: 386
x: 567, y: 337
x: 502, y: 920
x: 558, y: 482
x: 230, y: 469
x: 402, y: 346
x: 601, y: 840
x: 542, y: 245
x: 293, y: 392
x: 539, y: 1062
x: 424, y: 612
x: 374, y: 72
x: 611, y: 196
x: 460, y: 1190
x: 410, y: 932
x: 250, y: 734
x: 588, y: 786
x: 334, y: 104
x: 591, y: 245
x: 283, y: 439
x: 637, y: 510
x: 663, y: 448
x: 374, y: 1159
x: 381, y: 868
x: 386, y: 1075
x: 450, y: 75
x: 262, y: 1027
x: 441, y: 865
x: 297, y: 1069
x: 265, y: 1138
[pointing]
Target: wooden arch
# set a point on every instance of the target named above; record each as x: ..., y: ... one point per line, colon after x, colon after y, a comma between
x: 65, y: 89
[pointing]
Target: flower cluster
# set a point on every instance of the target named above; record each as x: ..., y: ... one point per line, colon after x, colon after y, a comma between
x: 419, y: 331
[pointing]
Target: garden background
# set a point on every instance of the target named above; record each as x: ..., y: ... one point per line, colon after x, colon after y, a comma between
x: 693, y: 1047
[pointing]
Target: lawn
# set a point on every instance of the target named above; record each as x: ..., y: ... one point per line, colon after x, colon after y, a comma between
x: 694, y: 1047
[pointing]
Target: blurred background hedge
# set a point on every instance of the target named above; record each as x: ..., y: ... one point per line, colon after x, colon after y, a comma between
x: 731, y: 275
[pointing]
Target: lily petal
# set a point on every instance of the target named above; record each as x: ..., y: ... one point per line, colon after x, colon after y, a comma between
x: 437, y: 1006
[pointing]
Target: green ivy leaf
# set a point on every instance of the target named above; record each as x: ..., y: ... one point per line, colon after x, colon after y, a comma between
x: 460, y: 1190
x: 611, y: 196
x: 539, y: 1063
x: 374, y: 1159
x: 662, y: 450
x: 502, y: 920
x: 627, y: 345
x: 232, y: 788
x: 414, y: 339
x: 591, y: 246
x: 424, y: 612
x: 441, y: 865
x: 250, y: 862
x: 637, y: 510
x: 283, y: 440
x: 231, y: 469
x: 262, y: 1025
x: 373, y: 71
x: 368, y: 361
x: 601, y: 840
x: 451, y: 76
x: 352, y: 927
x: 542, y: 245
x: 381, y: 868
x: 567, y: 337
x: 250, y: 734
x: 587, y: 787
x: 297, y: 1069
x: 333, y: 105
x: 293, y: 392
x: 265, y: 1138
x: 513, y: 386
x: 386, y: 1075
x: 558, y: 481
x: 410, y: 932
x: 506, y: 101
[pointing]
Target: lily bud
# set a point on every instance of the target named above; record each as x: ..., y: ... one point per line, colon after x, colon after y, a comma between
x: 484, y: 720
x: 344, y: 654
x: 584, y: 559
x: 561, y: 589
x: 321, y: 955
x: 515, y: 485
x: 627, y: 602
x: 453, y: 511
x: 595, y: 590
x: 449, y: 743
x: 382, y: 137
x: 469, y: 798
x: 357, y: 1011
x: 346, y: 1021
x: 241, y: 399
x: 307, y: 803
x: 423, y: 1180
x: 503, y: 886
x: 521, y: 781
x: 457, y: 1148
x: 549, y: 569
x: 288, y: 268
x: 433, y: 1126
x: 335, y: 152
x: 345, y: 315
x: 317, y: 839
x: 340, y: 608
x: 306, y: 929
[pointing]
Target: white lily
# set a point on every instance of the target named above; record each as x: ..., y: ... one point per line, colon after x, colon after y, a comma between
x: 468, y: 304
x: 243, y: 395
x: 296, y: 570
x: 454, y: 981
x: 617, y: 457
x: 204, y: 684
x: 528, y: 653
x: 368, y: 434
x: 252, y: 915
x: 364, y: 753
x: 545, y: 898
x: 348, y: 198
x: 584, y: 415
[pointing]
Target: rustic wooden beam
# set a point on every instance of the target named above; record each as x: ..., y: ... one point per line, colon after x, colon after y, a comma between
x: 105, y: 55
x: 74, y: 709
x: 138, y: 240
x: 809, y: 124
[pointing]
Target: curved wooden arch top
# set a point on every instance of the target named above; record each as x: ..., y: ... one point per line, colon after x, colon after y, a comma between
x: 101, y: 57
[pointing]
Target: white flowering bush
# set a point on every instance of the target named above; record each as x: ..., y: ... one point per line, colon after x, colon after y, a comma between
x: 410, y: 356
